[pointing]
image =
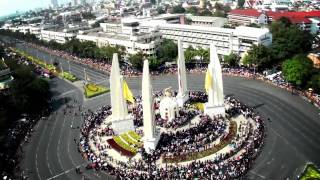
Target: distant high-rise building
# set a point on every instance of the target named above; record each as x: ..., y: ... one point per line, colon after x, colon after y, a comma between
x: 54, y: 3
x: 83, y: 2
x: 75, y: 2
x: 145, y: 1
x: 203, y: 4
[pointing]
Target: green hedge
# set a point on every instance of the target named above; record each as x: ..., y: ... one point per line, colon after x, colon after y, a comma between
x: 68, y: 76
x: 92, y: 90
x: 310, y: 172
x: 37, y: 61
x: 124, y: 145
x: 130, y: 141
x: 134, y: 135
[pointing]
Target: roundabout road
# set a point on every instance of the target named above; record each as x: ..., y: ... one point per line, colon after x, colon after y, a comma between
x: 292, y: 132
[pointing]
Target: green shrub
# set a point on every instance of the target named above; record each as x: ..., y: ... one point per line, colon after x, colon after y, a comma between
x: 92, y: 90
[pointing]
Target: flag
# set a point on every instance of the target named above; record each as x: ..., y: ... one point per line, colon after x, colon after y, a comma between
x: 127, y: 92
x: 208, y: 81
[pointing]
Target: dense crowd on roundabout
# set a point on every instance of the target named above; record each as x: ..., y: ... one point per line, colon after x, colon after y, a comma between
x: 200, y: 147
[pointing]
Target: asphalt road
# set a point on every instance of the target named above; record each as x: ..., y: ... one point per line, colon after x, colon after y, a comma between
x: 292, y: 134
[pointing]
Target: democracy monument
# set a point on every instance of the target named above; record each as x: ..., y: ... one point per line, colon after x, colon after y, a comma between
x: 172, y: 134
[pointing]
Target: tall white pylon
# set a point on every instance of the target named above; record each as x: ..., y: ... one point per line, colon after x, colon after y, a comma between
x: 151, y: 137
x: 183, y: 95
x: 215, y: 104
x: 121, y: 120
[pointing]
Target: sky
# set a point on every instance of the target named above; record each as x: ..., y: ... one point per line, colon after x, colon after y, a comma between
x: 11, y: 6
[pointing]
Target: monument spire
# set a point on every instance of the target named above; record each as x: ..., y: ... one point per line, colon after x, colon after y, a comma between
x: 214, y: 85
x: 120, y: 119
x: 118, y: 104
x: 150, y: 136
x: 182, y: 96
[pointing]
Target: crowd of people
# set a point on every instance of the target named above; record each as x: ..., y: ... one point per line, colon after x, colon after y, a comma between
x: 224, y: 166
x: 276, y: 80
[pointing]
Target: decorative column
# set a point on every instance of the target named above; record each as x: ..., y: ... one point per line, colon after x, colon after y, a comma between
x: 151, y: 137
x: 215, y: 104
x: 183, y: 94
x: 121, y: 120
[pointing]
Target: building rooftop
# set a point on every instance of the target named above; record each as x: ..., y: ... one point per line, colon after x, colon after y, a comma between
x: 295, y: 17
x: 200, y: 28
x: 250, y: 31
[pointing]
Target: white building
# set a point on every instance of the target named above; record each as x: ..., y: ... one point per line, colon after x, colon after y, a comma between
x: 226, y: 40
x: 59, y: 37
x: 54, y: 3
x: 126, y: 34
x: 207, y: 21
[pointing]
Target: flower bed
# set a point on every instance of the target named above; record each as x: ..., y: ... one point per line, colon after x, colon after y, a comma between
x: 134, y: 135
x: 92, y: 90
x: 68, y: 76
x: 310, y: 172
x: 118, y: 148
x: 125, y: 146
x: 130, y: 141
x: 198, y: 155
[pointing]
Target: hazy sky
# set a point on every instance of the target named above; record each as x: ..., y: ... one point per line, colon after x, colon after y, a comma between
x: 10, y: 6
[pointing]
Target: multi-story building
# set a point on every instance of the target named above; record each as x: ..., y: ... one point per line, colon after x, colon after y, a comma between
x: 207, y: 21
x: 58, y: 36
x: 305, y: 20
x: 226, y: 40
x: 247, y: 16
x: 126, y: 34
x: 54, y: 3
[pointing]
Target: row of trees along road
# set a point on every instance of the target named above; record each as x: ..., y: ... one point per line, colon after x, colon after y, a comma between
x: 28, y: 93
x: 84, y: 49
x: 287, y: 53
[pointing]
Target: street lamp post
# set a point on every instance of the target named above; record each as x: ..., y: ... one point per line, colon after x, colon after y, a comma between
x: 69, y: 67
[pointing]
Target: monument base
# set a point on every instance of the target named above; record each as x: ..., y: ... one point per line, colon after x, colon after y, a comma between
x: 151, y: 144
x: 123, y: 125
x: 214, y: 110
x: 181, y: 99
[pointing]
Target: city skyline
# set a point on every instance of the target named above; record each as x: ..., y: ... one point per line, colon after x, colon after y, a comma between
x: 8, y: 7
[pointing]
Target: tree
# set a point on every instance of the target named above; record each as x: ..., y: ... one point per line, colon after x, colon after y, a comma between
x: 232, y: 59
x: 137, y: 60
x: 297, y: 70
x: 178, y: 9
x: 189, y: 54
x: 154, y: 63
x: 240, y: 3
x: 168, y: 51
x: 205, y: 13
x: 258, y: 55
x: 314, y: 83
x: 192, y: 10
x: 160, y: 10
x: 203, y: 54
x: 288, y: 40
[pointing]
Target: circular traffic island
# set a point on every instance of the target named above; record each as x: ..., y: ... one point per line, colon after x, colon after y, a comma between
x: 191, y: 144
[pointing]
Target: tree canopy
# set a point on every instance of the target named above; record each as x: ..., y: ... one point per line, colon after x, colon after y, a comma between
x: 137, y: 60
x: 232, y: 59
x: 168, y: 51
x: 297, y: 70
x: 288, y: 40
x: 178, y: 9
x: 258, y: 55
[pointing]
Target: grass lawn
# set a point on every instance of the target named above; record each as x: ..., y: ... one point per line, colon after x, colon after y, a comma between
x: 92, y: 90
x: 311, y: 172
x: 68, y: 76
